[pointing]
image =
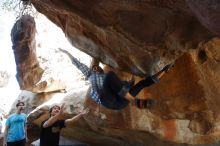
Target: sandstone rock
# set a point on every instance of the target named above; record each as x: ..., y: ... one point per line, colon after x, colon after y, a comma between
x: 27, y: 63
x: 150, y: 32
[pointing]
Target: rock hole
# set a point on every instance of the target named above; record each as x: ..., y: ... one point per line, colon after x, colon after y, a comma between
x: 202, y: 56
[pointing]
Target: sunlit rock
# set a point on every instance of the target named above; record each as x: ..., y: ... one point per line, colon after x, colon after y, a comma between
x: 30, y: 75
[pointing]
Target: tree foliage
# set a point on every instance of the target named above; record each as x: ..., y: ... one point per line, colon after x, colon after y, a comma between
x: 9, y: 5
x: 19, y: 7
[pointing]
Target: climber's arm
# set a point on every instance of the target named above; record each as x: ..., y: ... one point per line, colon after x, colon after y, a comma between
x: 82, y: 67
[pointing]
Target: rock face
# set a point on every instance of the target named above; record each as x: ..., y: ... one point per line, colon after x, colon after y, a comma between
x: 23, y: 39
x: 150, y: 32
x: 139, y: 37
x: 207, y: 12
x: 30, y: 75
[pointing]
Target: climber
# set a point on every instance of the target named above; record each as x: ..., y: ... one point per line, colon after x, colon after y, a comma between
x: 110, y: 91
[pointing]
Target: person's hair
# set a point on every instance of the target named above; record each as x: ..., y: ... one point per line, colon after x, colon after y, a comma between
x: 99, y: 68
x: 52, y: 108
x: 19, y: 102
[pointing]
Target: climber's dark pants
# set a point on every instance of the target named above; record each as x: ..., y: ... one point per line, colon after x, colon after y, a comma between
x: 142, y: 84
x: 17, y: 143
x: 114, y: 90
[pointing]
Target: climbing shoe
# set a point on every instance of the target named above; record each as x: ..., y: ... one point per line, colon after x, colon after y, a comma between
x: 144, y: 103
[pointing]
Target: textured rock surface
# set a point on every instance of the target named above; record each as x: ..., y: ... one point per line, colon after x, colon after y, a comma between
x: 149, y: 31
x: 140, y: 37
x: 23, y: 39
x: 207, y: 12
x: 186, y: 110
x: 33, y: 72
